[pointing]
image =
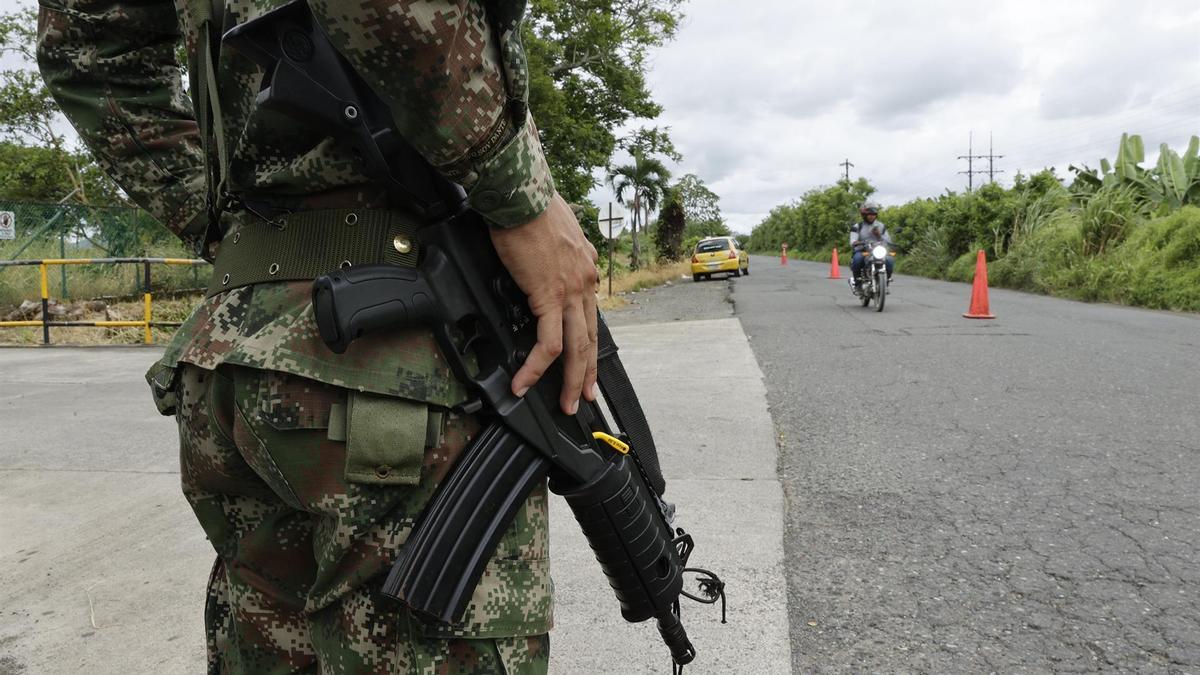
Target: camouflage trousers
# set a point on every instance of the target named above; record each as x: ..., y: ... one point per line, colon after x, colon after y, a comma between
x: 304, y: 536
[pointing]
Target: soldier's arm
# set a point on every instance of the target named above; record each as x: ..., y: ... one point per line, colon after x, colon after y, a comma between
x: 111, y: 66
x: 455, y: 96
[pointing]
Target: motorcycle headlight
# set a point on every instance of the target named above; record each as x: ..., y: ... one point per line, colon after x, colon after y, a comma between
x: 879, y: 252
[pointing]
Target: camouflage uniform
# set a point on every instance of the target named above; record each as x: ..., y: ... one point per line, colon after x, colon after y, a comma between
x: 307, y: 469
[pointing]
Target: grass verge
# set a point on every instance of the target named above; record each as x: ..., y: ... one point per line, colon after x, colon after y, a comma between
x: 638, y: 280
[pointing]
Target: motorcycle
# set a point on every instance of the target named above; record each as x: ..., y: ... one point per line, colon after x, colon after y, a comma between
x: 872, y: 284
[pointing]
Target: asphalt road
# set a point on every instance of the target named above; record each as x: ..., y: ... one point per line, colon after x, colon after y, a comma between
x: 1016, y: 495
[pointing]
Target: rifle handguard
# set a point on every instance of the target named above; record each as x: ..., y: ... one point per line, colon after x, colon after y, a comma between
x: 635, y: 549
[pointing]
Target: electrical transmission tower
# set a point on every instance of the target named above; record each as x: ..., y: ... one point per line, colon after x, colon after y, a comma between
x: 970, y: 157
x: 991, y: 157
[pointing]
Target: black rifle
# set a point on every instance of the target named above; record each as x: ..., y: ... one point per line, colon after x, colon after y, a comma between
x: 485, y: 330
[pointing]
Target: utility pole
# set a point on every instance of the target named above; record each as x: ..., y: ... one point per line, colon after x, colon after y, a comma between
x: 847, y: 164
x: 610, y: 220
x: 992, y: 157
x: 971, y: 157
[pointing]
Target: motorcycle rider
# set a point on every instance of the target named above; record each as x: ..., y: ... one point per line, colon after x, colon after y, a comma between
x: 864, y: 235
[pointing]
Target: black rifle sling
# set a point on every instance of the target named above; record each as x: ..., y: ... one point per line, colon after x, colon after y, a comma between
x: 626, y: 410
x: 205, y: 88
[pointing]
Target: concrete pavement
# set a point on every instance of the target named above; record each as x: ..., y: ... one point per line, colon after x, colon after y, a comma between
x: 719, y: 457
x: 102, y: 567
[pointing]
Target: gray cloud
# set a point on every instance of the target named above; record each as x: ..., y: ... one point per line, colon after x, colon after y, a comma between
x: 766, y: 98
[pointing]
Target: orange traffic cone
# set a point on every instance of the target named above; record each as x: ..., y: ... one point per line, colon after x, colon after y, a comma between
x: 783, y: 255
x: 979, y: 291
x: 834, y: 271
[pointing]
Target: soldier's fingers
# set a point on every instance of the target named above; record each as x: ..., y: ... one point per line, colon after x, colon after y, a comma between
x: 548, y: 347
x: 575, y: 341
x: 589, y: 375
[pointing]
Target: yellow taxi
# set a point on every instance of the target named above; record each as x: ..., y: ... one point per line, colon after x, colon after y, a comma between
x: 719, y: 255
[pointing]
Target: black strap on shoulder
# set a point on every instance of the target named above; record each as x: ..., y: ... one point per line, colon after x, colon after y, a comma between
x: 206, y: 14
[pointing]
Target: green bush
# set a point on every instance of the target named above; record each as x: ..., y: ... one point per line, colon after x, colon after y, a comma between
x: 963, y: 268
x: 1158, y: 265
x: 1108, y: 215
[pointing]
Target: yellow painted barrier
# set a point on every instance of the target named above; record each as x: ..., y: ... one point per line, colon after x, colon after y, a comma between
x: 145, y: 324
x: 146, y: 317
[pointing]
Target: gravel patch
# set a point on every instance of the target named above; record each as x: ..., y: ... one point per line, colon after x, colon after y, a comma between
x: 679, y: 300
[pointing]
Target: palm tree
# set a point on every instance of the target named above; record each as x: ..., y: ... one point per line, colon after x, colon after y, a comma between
x: 646, y: 180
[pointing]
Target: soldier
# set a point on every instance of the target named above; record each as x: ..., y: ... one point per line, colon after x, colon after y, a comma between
x: 307, y: 469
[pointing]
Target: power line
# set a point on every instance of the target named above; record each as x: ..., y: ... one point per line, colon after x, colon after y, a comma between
x: 1076, y: 152
x: 847, y: 164
x: 1103, y: 139
x: 1160, y: 105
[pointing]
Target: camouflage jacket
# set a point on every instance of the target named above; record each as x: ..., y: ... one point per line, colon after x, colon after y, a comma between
x: 452, y: 71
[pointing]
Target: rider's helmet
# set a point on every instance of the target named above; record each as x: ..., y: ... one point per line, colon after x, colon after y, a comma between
x: 869, y: 207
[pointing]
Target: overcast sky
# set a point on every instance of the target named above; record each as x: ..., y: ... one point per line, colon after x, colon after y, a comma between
x: 765, y: 98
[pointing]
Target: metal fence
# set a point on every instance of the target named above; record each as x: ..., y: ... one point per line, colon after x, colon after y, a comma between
x: 33, y: 231
x: 108, y: 250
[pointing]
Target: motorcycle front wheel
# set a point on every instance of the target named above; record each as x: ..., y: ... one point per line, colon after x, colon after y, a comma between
x: 880, y: 291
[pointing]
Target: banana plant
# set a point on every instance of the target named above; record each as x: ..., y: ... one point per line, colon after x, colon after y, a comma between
x: 1173, y: 182
x: 1130, y: 155
x: 1191, y: 165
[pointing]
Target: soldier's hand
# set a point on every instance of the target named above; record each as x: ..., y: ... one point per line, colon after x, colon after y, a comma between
x: 555, y: 265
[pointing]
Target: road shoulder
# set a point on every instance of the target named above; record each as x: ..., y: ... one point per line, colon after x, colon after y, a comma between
x: 718, y: 452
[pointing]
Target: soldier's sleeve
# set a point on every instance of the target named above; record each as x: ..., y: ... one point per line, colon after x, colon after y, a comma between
x: 456, y: 79
x: 111, y: 66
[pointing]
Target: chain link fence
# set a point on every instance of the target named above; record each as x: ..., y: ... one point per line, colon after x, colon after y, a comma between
x: 31, y: 231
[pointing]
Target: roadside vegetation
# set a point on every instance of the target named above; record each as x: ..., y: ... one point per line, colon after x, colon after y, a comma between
x: 1120, y: 233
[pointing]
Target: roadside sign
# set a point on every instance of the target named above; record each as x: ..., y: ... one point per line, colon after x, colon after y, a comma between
x: 8, y: 225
